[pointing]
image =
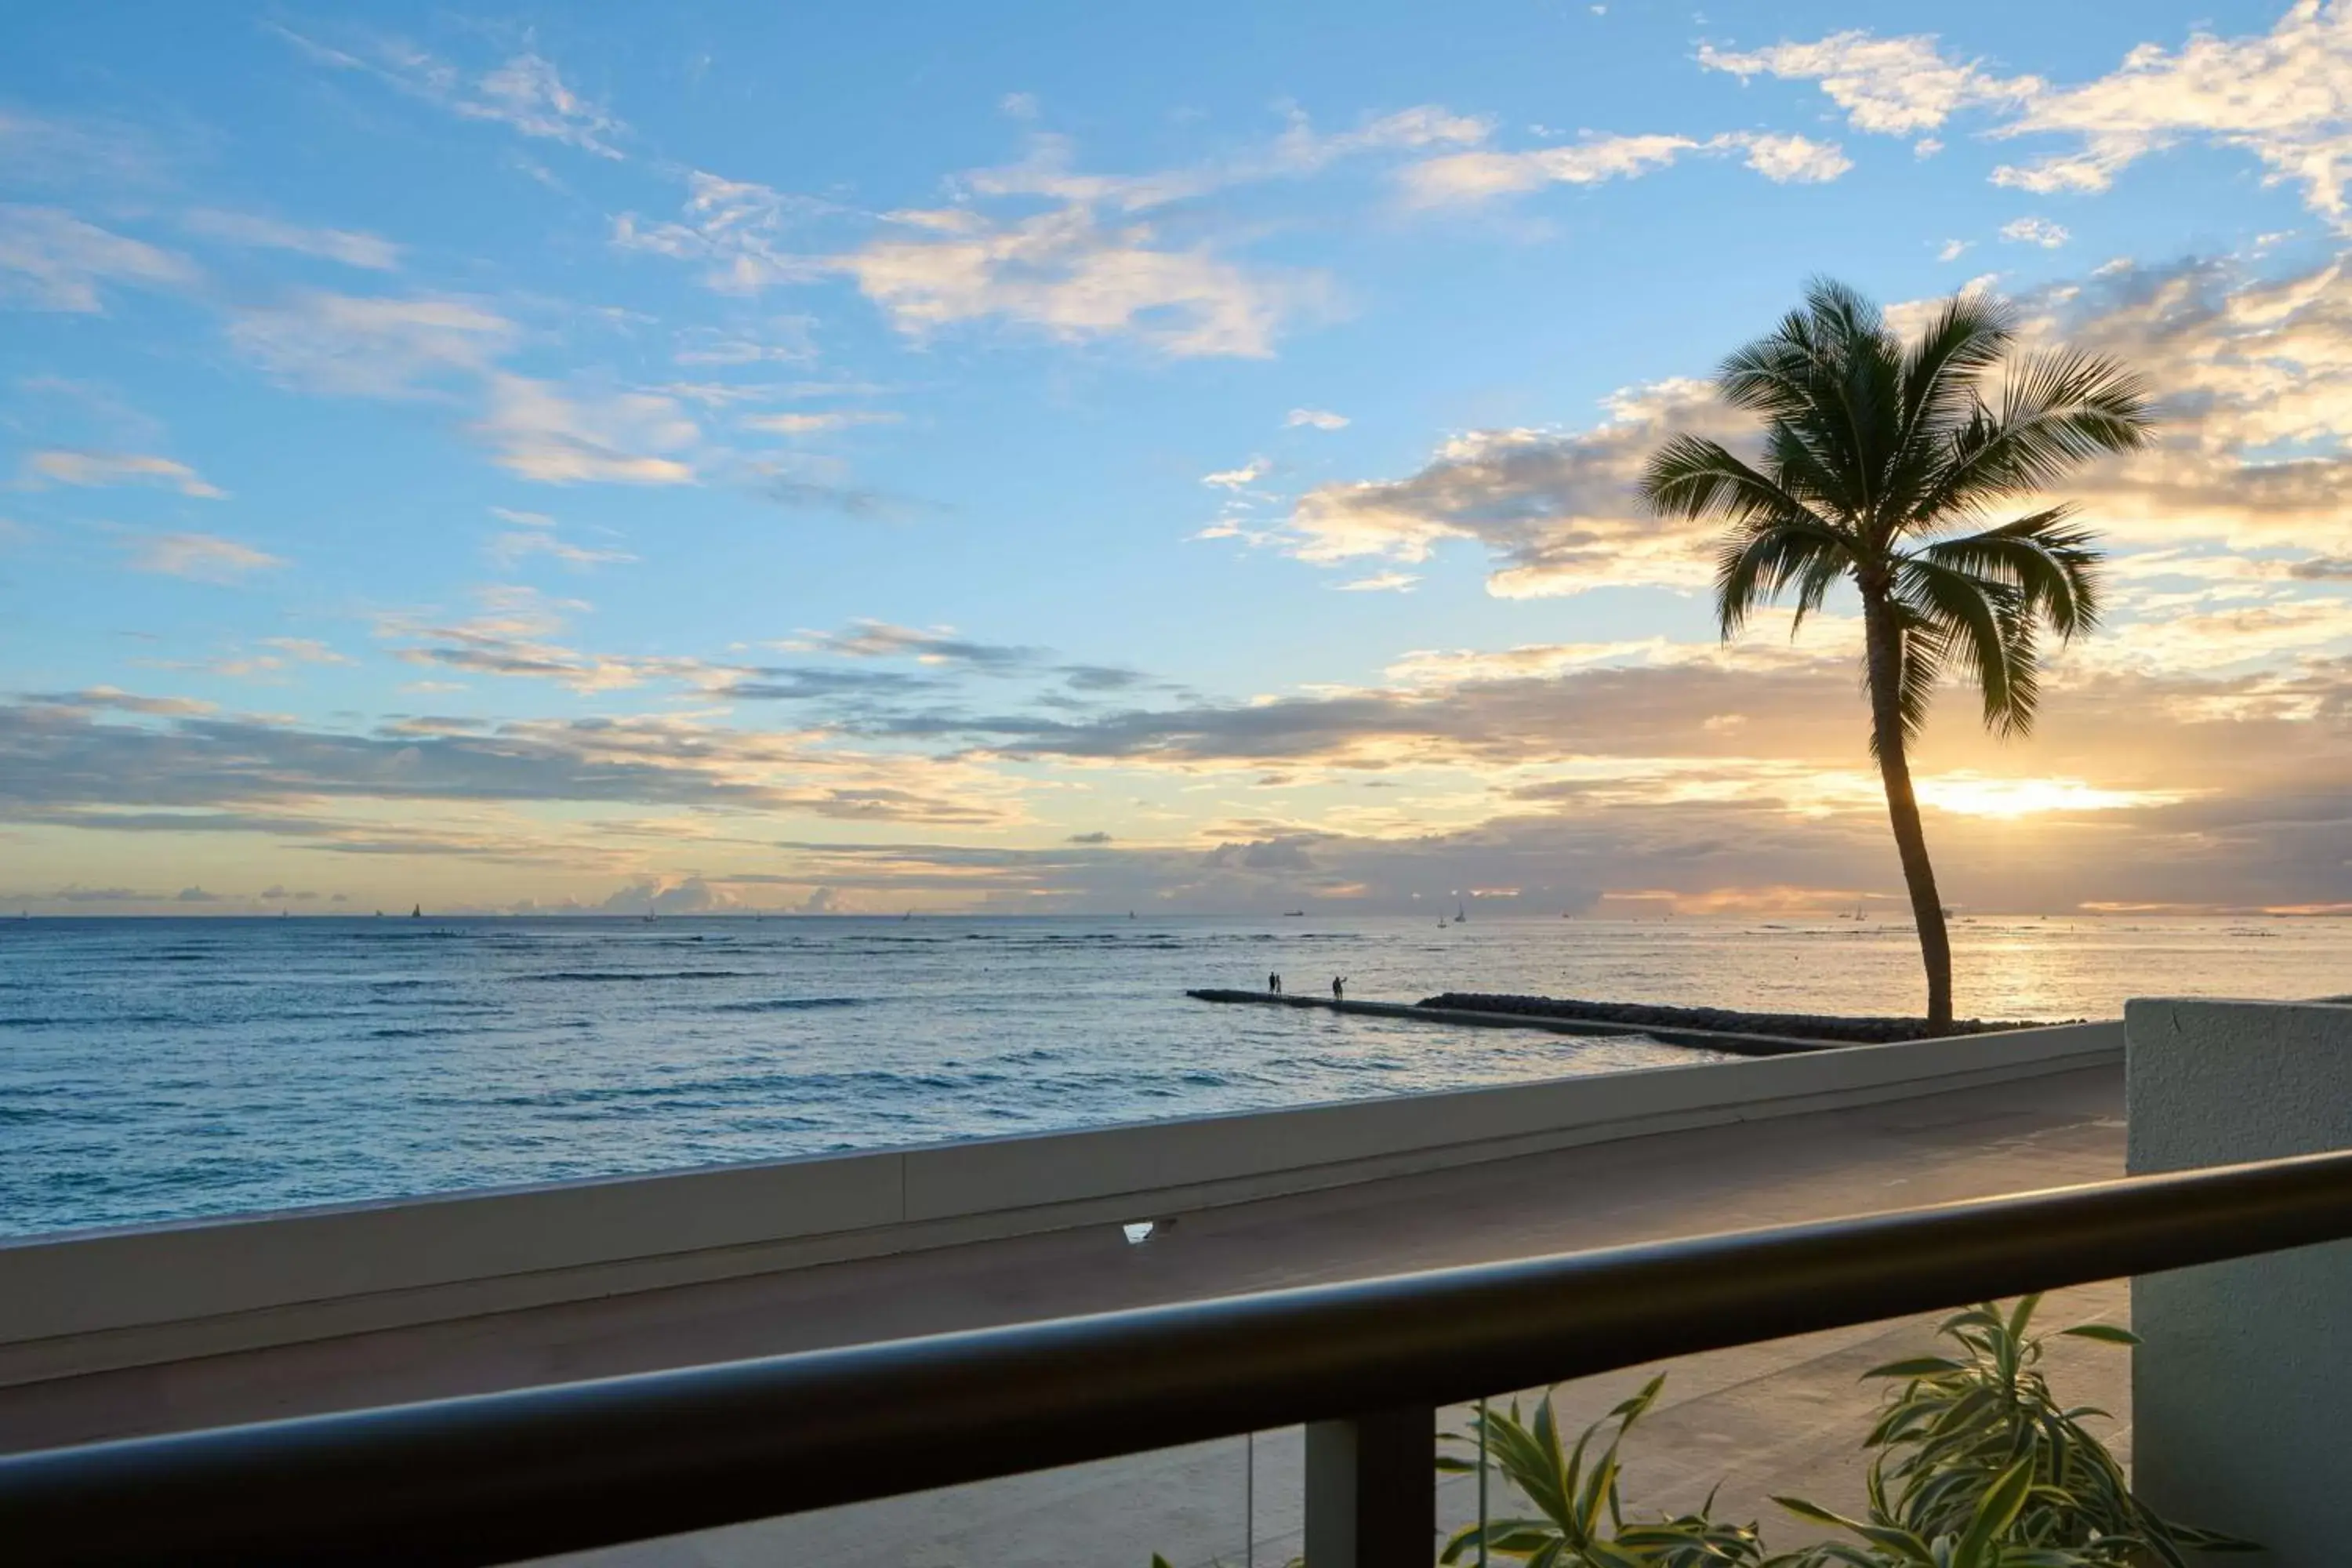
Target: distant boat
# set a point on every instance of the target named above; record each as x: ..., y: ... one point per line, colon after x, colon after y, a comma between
x: 651, y: 917
x: 417, y: 913
x: 1461, y: 914
x: 905, y: 918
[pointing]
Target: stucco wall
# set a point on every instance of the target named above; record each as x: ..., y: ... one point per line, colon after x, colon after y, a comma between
x: 144, y: 1295
x: 2244, y: 1373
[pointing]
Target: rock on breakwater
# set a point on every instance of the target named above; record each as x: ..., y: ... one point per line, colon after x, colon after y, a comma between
x: 1797, y: 1025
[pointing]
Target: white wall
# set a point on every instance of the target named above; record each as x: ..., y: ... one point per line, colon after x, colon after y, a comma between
x: 137, y: 1296
x: 2244, y: 1375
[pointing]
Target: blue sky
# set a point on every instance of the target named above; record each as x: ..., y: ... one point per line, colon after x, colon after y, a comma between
x: 875, y: 457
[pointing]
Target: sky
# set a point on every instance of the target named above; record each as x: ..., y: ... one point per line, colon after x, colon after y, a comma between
x: 1077, y: 459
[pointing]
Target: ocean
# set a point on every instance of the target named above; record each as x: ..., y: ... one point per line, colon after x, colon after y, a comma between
x: 161, y: 1070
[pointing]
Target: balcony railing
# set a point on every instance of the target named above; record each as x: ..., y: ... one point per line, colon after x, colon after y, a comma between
x: 1364, y: 1366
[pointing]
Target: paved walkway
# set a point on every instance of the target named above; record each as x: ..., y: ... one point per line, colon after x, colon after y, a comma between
x: 1781, y: 1417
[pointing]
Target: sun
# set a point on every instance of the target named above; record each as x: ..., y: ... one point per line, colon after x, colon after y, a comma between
x: 1974, y: 795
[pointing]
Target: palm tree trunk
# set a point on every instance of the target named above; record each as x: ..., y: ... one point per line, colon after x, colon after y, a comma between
x: 1883, y: 638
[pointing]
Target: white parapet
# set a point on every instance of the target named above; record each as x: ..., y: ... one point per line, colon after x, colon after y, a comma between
x: 2244, y: 1373
x: 98, y: 1301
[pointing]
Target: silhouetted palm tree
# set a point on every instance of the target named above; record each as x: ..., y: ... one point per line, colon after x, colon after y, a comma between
x: 1877, y: 453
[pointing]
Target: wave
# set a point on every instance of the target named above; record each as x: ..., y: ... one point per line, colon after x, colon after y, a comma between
x: 788, y: 1003
x: 610, y: 976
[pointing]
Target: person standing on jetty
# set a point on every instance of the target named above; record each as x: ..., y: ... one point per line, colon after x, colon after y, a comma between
x: 1339, y: 988
x: 1273, y: 983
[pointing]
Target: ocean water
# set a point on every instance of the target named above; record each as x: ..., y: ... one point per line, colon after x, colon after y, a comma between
x: 160, y: 1070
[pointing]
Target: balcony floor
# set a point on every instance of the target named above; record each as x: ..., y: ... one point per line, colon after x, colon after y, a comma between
x: 1776, y: 1417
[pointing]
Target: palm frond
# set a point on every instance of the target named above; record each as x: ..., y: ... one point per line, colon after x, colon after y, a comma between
x: 1692, y: 477
x: 1754, y: 568
x: 2053, y: 563
x: 2057, y: 412
x: 1984, y: 635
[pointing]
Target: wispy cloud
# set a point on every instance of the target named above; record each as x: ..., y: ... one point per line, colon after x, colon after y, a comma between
x: 2038, y: 231
x: 101, y: 469
x: 820, y: 422
x: 373, y: 346
x: 542, y: 433
x: 199, y: 557
x: 52, y: 260
x: 352, y: 247
x: 1461, y: 178
x: 940, y: 644
x: 532, y: 533
x: 525, y: 92
x: 1248, y: 474
x: 1316, y: 419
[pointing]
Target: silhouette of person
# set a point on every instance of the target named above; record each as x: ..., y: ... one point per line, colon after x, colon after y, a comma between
x: 1338, y: 989
x: 1273, y: 983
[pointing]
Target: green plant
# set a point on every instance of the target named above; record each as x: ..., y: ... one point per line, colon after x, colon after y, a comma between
x: 1986, y: 1539
x: 1975, y: 1465
x: 1876, y: 451
x: 1578, y: 1522
x: 1957, y: 1427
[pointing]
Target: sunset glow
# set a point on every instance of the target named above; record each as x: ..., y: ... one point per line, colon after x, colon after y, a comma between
x: 576, y: 465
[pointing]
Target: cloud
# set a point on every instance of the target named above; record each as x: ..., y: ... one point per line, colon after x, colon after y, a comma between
x: 1796, y: 160
x: 373, y: 346
x: 1317, y: 420
x: 199, y: 557
x: 2278, y: 95
x: 2252, y: 447
x: 513, y: 637
x: 1558, y: 508
x: 100, y: 470
x: 1380, y: 583
x: 51, y: 261
x: 801, y: 493
x: 1069, y: 275
x: 814, y: 424
x: 352, y: 247
x: 67, y: 767
x: 116, y: 700
x: 1094, y: 267
x: 734, y: 230
x: 1952, y: 250
x: 2036, y: 231
x: 197, y: 896
x: 1461, y: 178
x: 1892, y: 87
x: 881, y: 639
x: 1248, y: 474
x: 526, y: 92
x: 538, y: 432
x: 534, y: 534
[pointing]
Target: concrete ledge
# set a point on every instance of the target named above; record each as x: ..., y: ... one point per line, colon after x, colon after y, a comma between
x: 99, y: 1301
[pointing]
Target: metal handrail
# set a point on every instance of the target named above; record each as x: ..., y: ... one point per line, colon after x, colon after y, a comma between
x: 498, y: 1478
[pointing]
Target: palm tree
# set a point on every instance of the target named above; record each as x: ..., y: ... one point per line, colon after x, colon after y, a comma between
x: 1877, y: 454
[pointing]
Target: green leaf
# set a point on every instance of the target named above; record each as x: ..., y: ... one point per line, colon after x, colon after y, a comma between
x: 2105, y: 1333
